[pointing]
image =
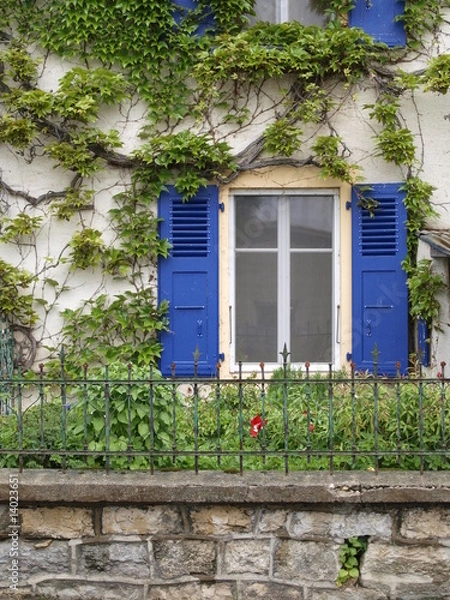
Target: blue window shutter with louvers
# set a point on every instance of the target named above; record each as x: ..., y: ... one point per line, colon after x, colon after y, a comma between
x: 378, y: 19
x: 380, y: 293
x: 188, y: 280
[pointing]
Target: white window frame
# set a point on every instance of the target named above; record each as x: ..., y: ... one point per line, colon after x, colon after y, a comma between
x: 283, y: 324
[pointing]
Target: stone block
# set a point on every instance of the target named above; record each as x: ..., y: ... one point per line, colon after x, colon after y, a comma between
x: 54, y: 557
x: 62, y: 522
x: 306, y: 561
x: 178, y: 558
x: 265, y: 590
x: 5, y: 520
x: 115, y: 558
x: 421, y: 523
x: 247, y: 557
x: 410, y: 565
x: 70, y: 589
x: 272, y: 521
x: 193, y: 591
x: 221, y: 520
x: 341, y: 525
x: 154, y: 520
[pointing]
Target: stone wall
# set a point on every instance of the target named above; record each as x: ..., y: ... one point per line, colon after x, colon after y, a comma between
x: 219, y: 536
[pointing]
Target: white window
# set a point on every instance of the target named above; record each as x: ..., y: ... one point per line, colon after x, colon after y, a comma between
x: 284, y: 276
x: 306, y: 12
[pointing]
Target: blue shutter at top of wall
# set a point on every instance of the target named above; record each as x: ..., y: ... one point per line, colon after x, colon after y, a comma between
x: 378, y: 18
x: 188, y: 280
x: 183, y: 7
x: 380, y: 294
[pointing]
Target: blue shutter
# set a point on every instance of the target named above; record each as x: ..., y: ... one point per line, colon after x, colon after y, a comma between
x: 206, y: 20
x: 380, y: 296
x: 378, y: 19
x: 423, y: 342
x: 188, y: 279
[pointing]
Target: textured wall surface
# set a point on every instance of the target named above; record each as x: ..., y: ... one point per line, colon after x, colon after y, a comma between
x: 181, y: 536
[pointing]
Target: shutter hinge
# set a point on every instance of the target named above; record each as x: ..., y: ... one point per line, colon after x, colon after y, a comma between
x: 349, y: 356
x: 222, y: 356
x: 348, y: 205
x: 222, y: 207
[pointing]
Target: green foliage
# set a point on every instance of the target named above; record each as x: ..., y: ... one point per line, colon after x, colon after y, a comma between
x: 16, y: 131
x: 424, y: 285
x: 422, y: 17
x: 87, y: 248
x: 397, y: 146
x: 331, y: 163
x: 132, y: 411
x: 74, y: 200
x: 41, y: 429
x: 123, y: 328
x: 350, y: 556
x: 418, y: 202
x: 282, y: 138
x: 188, y: 159
x: 21, y: 67
x: 22, y: 226
x: 14, y: 302
x: 437, y: 75
x: 81, y: 93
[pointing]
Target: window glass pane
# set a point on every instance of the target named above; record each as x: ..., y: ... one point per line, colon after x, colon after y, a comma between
x: 306, y: 12
x: 311, y: 307
x: 256, y: 222
x: 266, y: 10
x: 256, y: 307
x: 311, y: 221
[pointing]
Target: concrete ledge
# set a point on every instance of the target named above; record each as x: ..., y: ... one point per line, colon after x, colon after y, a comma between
x: 214, y: 487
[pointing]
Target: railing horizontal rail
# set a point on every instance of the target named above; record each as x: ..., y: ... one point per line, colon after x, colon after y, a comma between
x: 125, y: 417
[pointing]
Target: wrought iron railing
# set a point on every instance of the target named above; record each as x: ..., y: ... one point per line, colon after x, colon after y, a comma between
x: 122, y: 417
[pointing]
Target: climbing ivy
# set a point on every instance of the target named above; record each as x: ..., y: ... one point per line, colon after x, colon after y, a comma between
x: 198, y: 71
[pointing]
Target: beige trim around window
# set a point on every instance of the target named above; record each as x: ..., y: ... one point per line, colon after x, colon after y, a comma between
x: 284, y: 178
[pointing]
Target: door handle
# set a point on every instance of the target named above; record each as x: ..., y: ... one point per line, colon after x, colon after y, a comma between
x: 199, y: 328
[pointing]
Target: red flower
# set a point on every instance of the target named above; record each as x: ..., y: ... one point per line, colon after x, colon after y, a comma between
x: 311, y: 427
x: 256, y: 425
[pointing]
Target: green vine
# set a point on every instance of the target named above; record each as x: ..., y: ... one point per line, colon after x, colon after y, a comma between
x: 203, y: 74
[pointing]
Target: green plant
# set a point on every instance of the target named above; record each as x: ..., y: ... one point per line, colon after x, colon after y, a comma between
x: 350, y: 556
x: 124, y: 408
x: 424, y: 285
x: 40, y: 429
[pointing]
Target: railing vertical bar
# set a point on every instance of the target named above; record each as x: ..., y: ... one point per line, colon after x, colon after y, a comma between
x: 421, y: 421
x: 196, y: 357
x: 63, y: 408
x: 443, y: 413
x: 173, y: 388
x: 331, y: 416
x: 241, y: 423
x: 398, y: 395
x: 151, y: 418
x: 129, y: 415
x: 85, y: 413
x: 285, y: 355
x: 263, y: 412
x: 375, y: 355
x: 353, y: 402
x: 218, y: 415
x: 41, y: 397
x: 107, y: 421
x: 308, y: 413
x: 20, y: 417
